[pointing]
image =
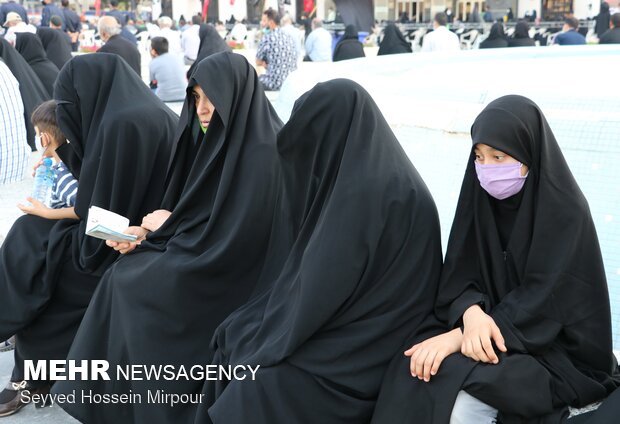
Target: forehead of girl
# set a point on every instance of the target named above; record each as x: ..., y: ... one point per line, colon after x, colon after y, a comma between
x: 485, y: 148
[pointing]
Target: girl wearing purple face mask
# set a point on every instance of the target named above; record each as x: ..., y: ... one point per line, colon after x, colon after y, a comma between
x: 522, y: 325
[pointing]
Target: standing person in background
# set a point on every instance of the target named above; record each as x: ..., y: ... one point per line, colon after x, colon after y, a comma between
x: 602, y: 20
x: 319, y: 43
x: 109, y: 31
x: 119, y: 15
x: 488, y: 15
x: 73, y: 26
x: 49, y: 10
x: 14, y: 151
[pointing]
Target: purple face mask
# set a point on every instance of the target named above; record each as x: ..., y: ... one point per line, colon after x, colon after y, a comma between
x: 501, y: 181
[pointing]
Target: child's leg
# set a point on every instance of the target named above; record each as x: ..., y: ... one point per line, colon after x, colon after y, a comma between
x: 469, y: 410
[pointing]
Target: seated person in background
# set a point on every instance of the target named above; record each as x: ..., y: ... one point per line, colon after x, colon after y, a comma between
x: 109, y: 30
x: 569, y: 35
x: 496, y: 38
x: 612, y: 36
x: 521, y: 36
x: 65, y: 186
x: 276, y: 52
x: 166, y: 72
x: 349, y: 46
x: 319, y: 43
x: 393, y: 41
x: 441, y: 39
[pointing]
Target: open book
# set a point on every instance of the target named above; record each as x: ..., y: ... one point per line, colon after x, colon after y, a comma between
x: 107, y: 225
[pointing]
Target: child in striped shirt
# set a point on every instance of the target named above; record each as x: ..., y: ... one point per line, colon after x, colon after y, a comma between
x: 64, y: 191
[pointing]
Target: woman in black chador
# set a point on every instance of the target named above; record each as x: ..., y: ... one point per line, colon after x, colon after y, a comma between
x: 160, y: 304
x: 210, y: 43
x: 496, y: 38
x: 363, y: 255
x: 524, y: 326
x: 521, y: 36
x: 49, y: 269
x: 56, y: 45
x: 31, y: 49
x: 349, y: 46
x: 393, y: 41
x: 31, y: 88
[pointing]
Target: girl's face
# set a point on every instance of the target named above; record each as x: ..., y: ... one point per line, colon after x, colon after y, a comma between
x: 204, y: 107
x: 487, y: 155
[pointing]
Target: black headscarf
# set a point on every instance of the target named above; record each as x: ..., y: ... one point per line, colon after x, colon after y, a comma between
x: 31, y: 88
x: 56, y: 45
x: 210, y: 43
x: 52, y: 268
x: 31, y: 49
x: 349, y: 46
x: 533, y: 263
x: 205, y: 260
x: 521, y: 36
x: 362, y: 267
x: 496, y: 38
x: 120, y: 162
x: 393, y: 41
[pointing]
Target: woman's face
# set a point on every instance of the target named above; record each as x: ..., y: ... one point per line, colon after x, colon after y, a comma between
x: 487, y: 155
x: 204, y: 107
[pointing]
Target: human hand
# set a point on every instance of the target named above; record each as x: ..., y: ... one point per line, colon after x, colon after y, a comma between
x: 125, y: 247
x: 36, y: 165
x: 427, y: 356
x: 36, y: 208
x: 480, y: 330
x: 155, y: 219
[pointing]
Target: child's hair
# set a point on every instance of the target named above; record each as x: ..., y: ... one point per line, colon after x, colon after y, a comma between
x: 44, y: 117
x: 160, y: 45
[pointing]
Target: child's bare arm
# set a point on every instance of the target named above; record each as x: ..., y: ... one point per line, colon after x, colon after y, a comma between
x: 39, y: 209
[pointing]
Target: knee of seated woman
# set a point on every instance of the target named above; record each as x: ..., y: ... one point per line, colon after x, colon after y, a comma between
x: 469, y: 410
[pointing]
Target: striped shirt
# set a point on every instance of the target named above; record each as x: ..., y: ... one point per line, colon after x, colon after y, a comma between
x: 64, y: 189
x: 14, y: 149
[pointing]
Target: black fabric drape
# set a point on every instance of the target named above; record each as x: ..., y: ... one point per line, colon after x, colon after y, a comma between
x: 363, y: 258
x: 360, y: 13
x: 210, y: 43
x: 49, y: 269
x: 349, y: 46
x: 31, y: 49
x: 116, y: 44
x: 393, y: 41
x: 160, y: 304
x: 31, y: 88
x: 546, y: 290
x: 56, y: 45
